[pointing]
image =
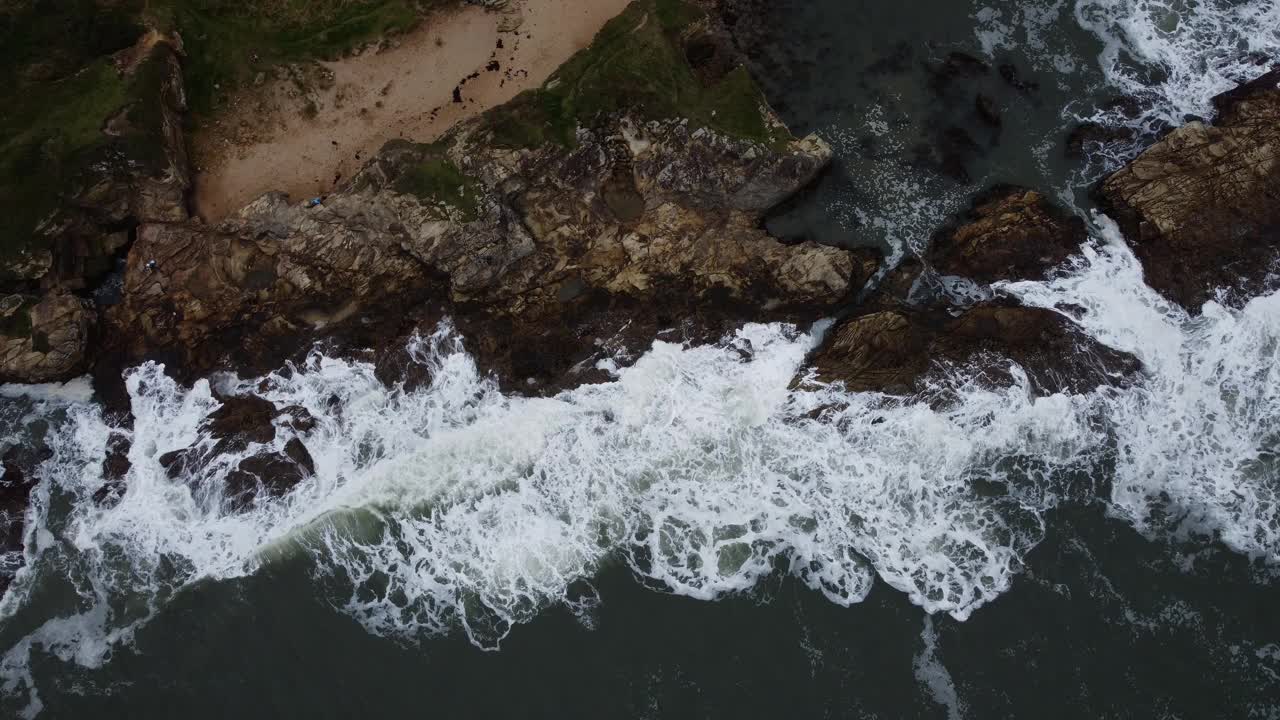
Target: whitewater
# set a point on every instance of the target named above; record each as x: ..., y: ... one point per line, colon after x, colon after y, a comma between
x: 702, y: 469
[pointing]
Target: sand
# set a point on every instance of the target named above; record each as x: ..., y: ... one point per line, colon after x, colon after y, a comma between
x: 304, y: 137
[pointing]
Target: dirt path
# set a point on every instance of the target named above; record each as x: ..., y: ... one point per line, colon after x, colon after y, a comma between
x: 306, y: 128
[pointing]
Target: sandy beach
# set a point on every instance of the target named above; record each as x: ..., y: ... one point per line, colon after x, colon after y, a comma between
x: 275, y: 138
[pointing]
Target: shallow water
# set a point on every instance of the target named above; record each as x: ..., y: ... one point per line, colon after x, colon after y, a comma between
x: 692, y: 539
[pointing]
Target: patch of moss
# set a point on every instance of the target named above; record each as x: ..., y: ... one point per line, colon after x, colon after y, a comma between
x: 436, y: 180
x: 635, y: 63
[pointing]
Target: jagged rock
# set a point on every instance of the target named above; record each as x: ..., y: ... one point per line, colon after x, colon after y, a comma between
x: 892, y: 351
x: 1201, y: 208
x: 42, y: 339
x: 525, y: 239
x: 1008, y: 234
x: 242, y: 423
x: 272, y: 474
x: 247, y: 289
x: 243, y: 419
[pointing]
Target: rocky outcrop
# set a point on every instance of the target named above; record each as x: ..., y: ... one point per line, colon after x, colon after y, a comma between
x: 895, y: 351
x: 660, y: 218
x: 135, y: 171
x: 909, y: 335
x: 43, y: 338
x: 1201, y: 208
x: 1008, y: 234
x: 250, y: 427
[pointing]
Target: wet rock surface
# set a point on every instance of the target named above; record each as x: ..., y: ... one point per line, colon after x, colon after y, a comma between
x: 895, y: 351
x: 1201, y: 208
x: 18, y: 479
x: 251, y: 448
x: 907, y: 335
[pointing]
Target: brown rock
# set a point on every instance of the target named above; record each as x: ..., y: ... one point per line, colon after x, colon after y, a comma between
x: 1201, y: 208
x: 548, y: 243
x: 1008, y: 234
x: 43, y: 339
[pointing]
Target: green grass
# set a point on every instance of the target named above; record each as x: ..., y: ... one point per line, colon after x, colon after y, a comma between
x: 436, y: 180
x: 59, y: 86
x: 47, y: 40
x: 46, y: 137
x: 636, y: 63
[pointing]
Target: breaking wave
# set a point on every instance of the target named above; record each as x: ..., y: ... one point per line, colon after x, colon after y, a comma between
x: 701, y: 468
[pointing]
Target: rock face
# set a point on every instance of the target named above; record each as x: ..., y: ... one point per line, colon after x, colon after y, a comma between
x: 1009, y: 234
x: 656, y: 217
x: 42, y: 338
x: 1202, y: 206
x: 134, y: 170
x: 904, y: 338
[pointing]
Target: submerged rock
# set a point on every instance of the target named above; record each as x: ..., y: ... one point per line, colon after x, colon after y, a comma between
x: 18, y: 465
x: 1201, y: 208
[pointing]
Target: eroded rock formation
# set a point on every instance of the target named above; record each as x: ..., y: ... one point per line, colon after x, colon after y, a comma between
x: 1201, y: 207
x: 659, y: 217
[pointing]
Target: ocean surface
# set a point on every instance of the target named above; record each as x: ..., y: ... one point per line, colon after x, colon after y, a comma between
x: 687, y: 541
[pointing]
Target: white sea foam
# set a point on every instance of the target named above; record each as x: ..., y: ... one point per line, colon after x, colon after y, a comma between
x: 1198, y: 443
x: 1173, y: 57
x: 700, y: 468
x: 933, y: 675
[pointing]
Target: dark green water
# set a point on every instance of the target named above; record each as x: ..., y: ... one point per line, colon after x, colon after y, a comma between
x: 1105, y: 626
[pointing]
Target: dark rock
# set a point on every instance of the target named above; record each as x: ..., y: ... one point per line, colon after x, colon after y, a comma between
x: 115, y: 470
x: 300, y: 418
x: 274, y: 474
x: 894, y: 351
x: 243, y: 419
x: 660, y: 217
x: 1084, y: 137
x: 1013, y: 78
x: 987, y: 110
x: 1201, y: 208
